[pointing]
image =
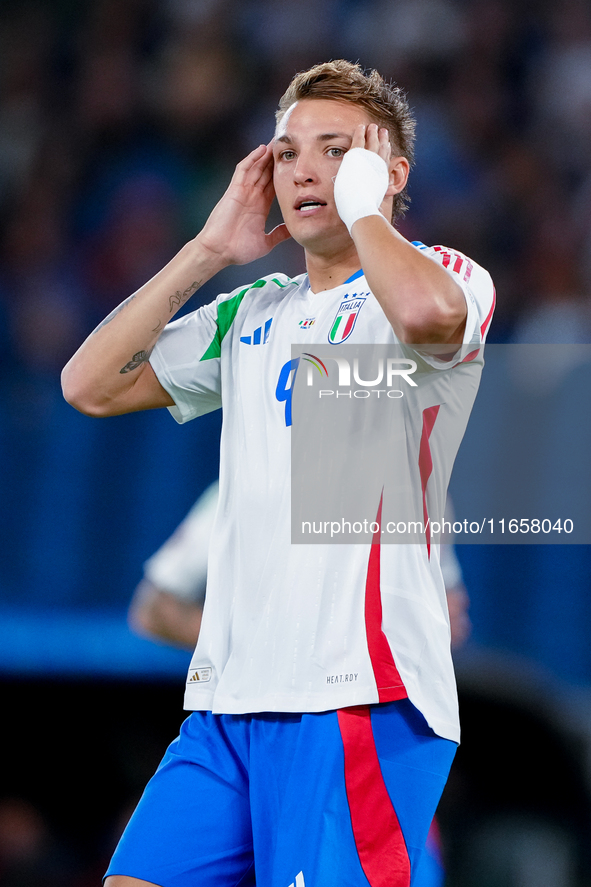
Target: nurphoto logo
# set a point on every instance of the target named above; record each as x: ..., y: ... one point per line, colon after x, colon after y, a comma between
x: 384, y: 371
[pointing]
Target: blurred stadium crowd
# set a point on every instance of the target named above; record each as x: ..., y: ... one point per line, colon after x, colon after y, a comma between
x: 120, y: 125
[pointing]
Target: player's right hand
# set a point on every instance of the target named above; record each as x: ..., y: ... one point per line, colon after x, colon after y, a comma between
x: 235, y: 230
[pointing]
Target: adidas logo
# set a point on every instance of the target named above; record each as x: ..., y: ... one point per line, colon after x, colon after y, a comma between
x: 203, y: 675
x: 299, y: 881
x: 260, y: 335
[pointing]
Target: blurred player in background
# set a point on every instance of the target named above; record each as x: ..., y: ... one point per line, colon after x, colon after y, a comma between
x: 324, y: 708
x: 168, y: 602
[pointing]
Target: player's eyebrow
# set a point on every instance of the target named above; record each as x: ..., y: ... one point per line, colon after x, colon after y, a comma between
x: 323, y: 137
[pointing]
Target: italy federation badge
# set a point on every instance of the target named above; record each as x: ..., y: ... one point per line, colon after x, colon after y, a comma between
x: 345, y: 318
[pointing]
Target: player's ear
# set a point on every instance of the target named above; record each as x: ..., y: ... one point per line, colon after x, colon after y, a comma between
x: 399, y: 169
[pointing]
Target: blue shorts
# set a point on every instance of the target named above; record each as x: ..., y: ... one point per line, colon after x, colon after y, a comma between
x: 332, y: 798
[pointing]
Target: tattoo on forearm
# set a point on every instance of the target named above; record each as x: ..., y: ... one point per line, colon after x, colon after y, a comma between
x: 113, y: 314
x: 137, y: 360
x: 179, y: 298
x: 175, y: 301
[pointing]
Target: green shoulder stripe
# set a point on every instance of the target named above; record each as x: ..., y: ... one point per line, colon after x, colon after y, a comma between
x: 226, y: 313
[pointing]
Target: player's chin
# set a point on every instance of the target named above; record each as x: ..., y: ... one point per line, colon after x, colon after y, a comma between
x: 314, y: 232
x: 312, y: 241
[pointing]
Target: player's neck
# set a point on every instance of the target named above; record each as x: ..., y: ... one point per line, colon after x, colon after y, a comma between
x: 325, y: 273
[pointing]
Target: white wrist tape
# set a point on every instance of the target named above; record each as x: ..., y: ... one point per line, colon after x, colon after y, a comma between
x: 360, y: 185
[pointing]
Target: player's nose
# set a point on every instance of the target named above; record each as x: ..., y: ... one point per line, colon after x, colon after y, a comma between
x: 304, y: 171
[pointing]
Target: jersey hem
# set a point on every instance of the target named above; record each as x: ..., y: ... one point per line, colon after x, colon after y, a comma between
x: 278, y: 703
x: 445, y: 729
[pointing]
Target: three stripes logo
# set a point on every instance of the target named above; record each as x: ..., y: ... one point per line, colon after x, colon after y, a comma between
x: 299, y: 881
x: 345, y: 318
x: 260, y: 335
x: 201, y: 675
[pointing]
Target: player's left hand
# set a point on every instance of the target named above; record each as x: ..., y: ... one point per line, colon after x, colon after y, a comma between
x: 362, y: 182
x: 377, y: 139
x: 373, y: 138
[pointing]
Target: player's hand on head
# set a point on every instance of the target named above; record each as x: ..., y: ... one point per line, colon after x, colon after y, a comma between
x: 362, y: 180
x: 373, y: 138
x: 235, y: 228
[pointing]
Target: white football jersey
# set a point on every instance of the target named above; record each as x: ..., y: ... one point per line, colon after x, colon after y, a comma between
x: 297, y: 627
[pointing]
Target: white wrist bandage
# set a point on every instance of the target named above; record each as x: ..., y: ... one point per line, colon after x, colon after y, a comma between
x: 360, y: 185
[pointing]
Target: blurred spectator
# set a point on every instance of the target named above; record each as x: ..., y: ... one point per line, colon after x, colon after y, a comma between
x: 395, y: 33
x: 29, y: 855
x: 561, y: 86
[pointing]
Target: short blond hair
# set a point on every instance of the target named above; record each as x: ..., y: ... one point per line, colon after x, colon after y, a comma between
x: 385, y: 103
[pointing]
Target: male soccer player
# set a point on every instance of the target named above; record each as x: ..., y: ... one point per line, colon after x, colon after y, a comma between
x: 324, y: 712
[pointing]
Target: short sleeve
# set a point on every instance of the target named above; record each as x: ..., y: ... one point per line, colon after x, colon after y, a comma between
x: 450, y: 566
x: 187, y: 363
x: 479, y: 293
x: 180, y: 565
